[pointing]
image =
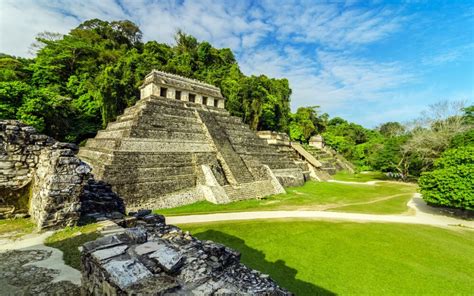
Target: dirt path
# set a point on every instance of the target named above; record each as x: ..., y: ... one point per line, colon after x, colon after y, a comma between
x: 375, y: 200
x: 29, y: 267
x: 421, y: 216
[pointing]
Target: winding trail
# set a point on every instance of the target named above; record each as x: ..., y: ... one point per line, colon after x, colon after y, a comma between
x: 423, y: 215
x: 55, y: 261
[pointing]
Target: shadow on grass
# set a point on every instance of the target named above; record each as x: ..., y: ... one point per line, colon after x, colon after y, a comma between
x: 70, y: 247
x: 284, y: 275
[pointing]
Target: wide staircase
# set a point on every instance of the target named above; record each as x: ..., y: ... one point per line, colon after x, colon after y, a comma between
x: 330, y: 161
x: 256, y: 151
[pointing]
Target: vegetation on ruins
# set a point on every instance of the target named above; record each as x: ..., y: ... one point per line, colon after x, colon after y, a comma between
x: 344, y: 258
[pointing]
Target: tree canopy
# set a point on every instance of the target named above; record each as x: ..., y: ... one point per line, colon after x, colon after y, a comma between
x: 79, y: 82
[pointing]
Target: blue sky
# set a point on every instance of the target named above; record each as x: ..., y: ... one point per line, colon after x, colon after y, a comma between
x: 369, y: 62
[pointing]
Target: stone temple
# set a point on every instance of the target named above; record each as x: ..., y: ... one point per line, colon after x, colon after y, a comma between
x: 178, y: 145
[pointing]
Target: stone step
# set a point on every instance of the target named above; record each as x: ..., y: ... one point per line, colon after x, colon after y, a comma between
x: 103, y: 143
x: 162, y: 107
x: 248, y: 141
x: 165, y: 135
x: 170, y: 122
x: 242, y: 133
x: 235, y: 126
x: 123, y: 174
x: 153, y: 158
x: 124, y: 117
x: 130, y: 182
x: 229, y: 119
x: 94, y: 155
x: 169, y: 145
x: 153, y: 189
x: 275, y: 164
x: 112, y: 134
x: 220, y: 139
x: 120, y: 125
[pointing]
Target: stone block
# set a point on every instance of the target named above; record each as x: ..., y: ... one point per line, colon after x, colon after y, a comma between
x: 126, y: 273
x: 167, y: 257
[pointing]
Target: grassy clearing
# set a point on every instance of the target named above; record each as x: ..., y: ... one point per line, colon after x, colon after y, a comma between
x: 15, y: 228
x: 395, y: 205
x: 69, y: 239
x: 327, y: 258
x: 360, y: 177
x: 315, y: 196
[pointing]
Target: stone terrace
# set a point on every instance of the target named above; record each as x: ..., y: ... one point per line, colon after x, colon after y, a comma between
x: 165, y: 152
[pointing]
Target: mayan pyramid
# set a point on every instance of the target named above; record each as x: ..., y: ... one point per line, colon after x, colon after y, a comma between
x: 178, y: 145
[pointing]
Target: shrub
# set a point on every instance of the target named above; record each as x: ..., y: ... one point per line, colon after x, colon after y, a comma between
x: 451, y: 183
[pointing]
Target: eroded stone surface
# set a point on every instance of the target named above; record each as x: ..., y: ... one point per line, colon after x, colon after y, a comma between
x: 43, y: 177
x: 17, y: 278
x: 161, y: 259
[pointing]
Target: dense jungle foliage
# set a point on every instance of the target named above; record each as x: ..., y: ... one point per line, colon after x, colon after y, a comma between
x: 78, y: 82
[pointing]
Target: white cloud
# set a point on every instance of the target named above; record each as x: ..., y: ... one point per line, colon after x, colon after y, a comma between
x: 315, y: 45
x: 329, y: 79
x: 464, y: 52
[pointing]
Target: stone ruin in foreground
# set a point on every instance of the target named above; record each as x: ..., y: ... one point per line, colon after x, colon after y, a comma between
x: 152, y: 258
x: 178, y: 145
x: 43, y: 178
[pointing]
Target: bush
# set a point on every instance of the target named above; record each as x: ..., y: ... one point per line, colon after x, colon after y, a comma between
x: 451, y: 183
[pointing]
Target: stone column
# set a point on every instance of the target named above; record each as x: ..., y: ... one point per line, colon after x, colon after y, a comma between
x: 221, y: 104
x: 199, y: 99
x: 185, y: 96
x: 210, y: 101
x: 171, y: 93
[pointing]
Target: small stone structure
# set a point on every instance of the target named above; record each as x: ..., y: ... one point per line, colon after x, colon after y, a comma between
x: 153, y: 258
x: 318, y: 161
x: 169, y: 150
x: 166, y: 85
x: 44, y: 178
x: 316, y: 141
x: 311, y: 167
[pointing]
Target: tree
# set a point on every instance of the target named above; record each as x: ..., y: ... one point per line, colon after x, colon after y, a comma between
x: 451, y: 182
x: 93, y: 73
x: 302, y: 123
x: 434, y: 131
x: 391, y: 129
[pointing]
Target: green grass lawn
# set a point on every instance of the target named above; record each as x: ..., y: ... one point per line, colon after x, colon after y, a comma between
x: 316, y: 196
x: 15, y: 228
x: 326, y: 258
x: 69, y: 239
x: 360, y: 177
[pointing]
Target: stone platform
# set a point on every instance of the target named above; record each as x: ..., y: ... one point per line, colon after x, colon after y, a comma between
x: 168, y: 150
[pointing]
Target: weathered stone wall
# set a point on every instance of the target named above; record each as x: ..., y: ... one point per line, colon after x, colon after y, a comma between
x: 153, y: 258
x: 43, y: 177
x: 20, y: 149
